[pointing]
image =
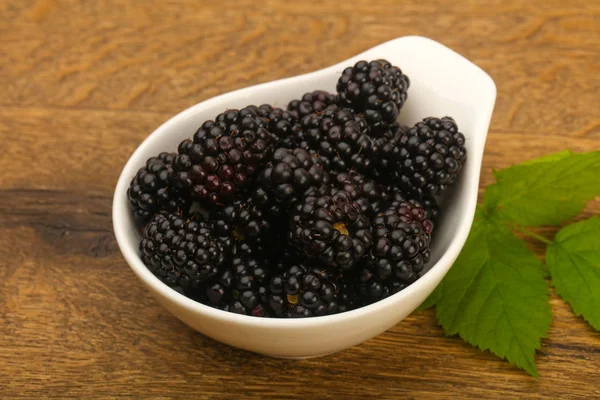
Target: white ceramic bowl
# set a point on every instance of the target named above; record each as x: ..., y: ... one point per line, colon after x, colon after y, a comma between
x: 442, y: 83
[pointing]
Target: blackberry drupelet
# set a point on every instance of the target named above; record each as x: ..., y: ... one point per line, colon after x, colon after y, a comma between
x: 183, y: 253
x: 288, y: 177
x: 429, y: 157
x: 331, y: 229
x: 150, y: 191
x: 401, y: 236
x: 375, y: 89
x: 223, y: 156
x: 339, y: 138
x: 311, y: 102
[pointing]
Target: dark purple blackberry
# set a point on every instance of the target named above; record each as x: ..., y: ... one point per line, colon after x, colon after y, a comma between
x: 242, y: 284
x: 331, y: 229
x: 284, y: 124
x: 183, y: 253
x: 150, y: 192
x: 429, y: 157
x: 223, y: 156
x: 288, y: 177
x: 244, y: 221
x: 340, y: 139
x: 401, y: 236
x: 386, y: 152
x: 299, y: 291
x: 428, y: 203
x: 312, y: 102
x: 373, y: 197
x: 375, y: 89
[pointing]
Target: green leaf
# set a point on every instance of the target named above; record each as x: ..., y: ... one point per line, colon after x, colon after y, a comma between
x: 495, y: 296
x: 545, y: 191
x: 574, y: 263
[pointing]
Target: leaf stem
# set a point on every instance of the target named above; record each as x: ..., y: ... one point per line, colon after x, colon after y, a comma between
x: 532, y: 234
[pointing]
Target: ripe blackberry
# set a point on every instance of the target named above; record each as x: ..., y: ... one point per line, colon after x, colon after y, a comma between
x: 429, y: 157
x: 289, y: 176
x: 386, y: 152
x: 245, y: 221
x: 339, y: 138
x: 241, y: 285
x: 401, y: 248
x: 375, y: 89
x: 332, y: 229
x: 301, y: 291
x: 183, y: 253
x: 428, y: 203
x: 284, y: 124
x: 150, y: 192
x: 372, y: 197
x: 223, y: 156
x: 311, y: 102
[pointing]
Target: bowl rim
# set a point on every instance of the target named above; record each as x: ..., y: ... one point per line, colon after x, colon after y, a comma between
x: 131, y: 255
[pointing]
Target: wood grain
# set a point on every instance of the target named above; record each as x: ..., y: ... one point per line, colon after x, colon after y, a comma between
x: 83, y: 82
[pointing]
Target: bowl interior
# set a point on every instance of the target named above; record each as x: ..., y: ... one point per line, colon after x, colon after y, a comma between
x: 442, y: 83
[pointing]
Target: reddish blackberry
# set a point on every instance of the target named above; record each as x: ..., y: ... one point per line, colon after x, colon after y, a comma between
x: 301, y: 291
x: 401, y: 247
x: 332, y: 229
x: 429, y: 157
x: 290, y: 175
x: 150, y: 192
x: 375, y: 89
x: 183, y: 253
x: 223, y: 156
x: 339, y: 138
x: 311, y: 102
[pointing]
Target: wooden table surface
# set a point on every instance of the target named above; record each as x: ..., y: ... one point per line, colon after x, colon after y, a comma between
x: 83, y: 83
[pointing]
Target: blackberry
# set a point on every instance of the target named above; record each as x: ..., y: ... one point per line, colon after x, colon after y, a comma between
x: 242, y: 284
x: 244, y: 221
x: 331, y: 229
x: 372, y: 197
x: 401, y: 236
x: 311, y: 102
x: 223, y: 155
x: 284, y: 124
x: 150, y: 191
x: 427, y: 202
x: 301, y: 291
x: 183, y: 253
x: 429, y: 157
x: 386, y: 152
x: 289, y: 176
x: 375, y: 89
x: 339, y: 138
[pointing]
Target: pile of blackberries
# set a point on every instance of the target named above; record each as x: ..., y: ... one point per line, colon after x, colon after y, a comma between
x: 316, y: 209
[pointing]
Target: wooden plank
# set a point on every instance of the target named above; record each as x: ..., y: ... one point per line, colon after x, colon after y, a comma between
x: 84, y: 82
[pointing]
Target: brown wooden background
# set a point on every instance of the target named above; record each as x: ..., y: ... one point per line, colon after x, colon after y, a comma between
x: 82, y: 83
